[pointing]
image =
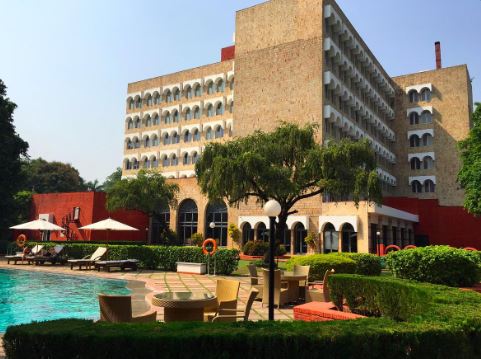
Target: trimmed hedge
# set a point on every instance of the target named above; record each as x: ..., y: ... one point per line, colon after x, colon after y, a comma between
x: 449, y: 326
x: 156, y: 257
x: 366, y: 264
x: 437, y: 264
x: 260, y: 248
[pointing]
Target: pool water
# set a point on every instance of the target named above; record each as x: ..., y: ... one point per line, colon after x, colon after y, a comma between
x: 34, y: 296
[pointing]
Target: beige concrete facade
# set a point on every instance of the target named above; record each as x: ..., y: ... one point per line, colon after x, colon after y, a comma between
x: 302, y: 61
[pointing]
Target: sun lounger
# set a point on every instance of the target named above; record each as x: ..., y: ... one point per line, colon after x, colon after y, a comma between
x: 21, y: 256
x: 122, y: 264
x: 53, y: 256
x: 88, y: 261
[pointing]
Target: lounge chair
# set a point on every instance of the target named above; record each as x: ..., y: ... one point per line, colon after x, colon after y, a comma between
x: 118, y: 309
x: 320, y: 294
x: 226, y: 292
x: 233, y: 314
x: 21, y: 256
x: 280, y: 294
x: 255, y: 280
x: 54, y: 256
x: 122, y: 264
x: 88, y: 261
x: 302, y: 270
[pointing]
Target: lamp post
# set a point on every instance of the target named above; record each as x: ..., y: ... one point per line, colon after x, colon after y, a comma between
x: 378, y: 243
x: 212, y: 226
x: 272, y: 209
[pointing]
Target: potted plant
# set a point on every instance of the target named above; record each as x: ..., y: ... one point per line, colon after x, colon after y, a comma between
x: 311, y: 240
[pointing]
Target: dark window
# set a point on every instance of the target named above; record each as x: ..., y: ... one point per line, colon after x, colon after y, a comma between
x: 187, y: 223
x: 217, y: 214
x: 330, y: 239
x: 349, y: 239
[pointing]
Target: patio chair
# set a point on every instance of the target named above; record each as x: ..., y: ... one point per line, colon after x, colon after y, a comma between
x: 280, y: 294
x: 226, y: 291
x: 21, y: 256
x: 320, y: 294
x: 118, y: 309
x: 53, y: 256
x: 88, y: 261
x: 233, y: 314
x: 302, y: 270
x: 255, y: 280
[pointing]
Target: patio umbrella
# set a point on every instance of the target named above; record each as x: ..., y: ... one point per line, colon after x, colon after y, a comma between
x: 38, y: 225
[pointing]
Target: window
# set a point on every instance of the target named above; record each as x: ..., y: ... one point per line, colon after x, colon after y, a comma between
x: 247, y: 233
x: 176, y: 95
x: 155, y: 162
x: 149, y: 100
x: 165, y: 161
x: 427, y: 139
x: 187, y: 223
x: 331, y: 239
x: 414, y: 141
x: 188, y: 92
x: 138, y: 103
x: 187, y: 136
x: 188, y: 114
x: 174, y: 161
x: 210, y: 110
x: 195, y: 157
x: 426, y: 94
x: 219, y: 132
x: 217, y: 213
x: 197, y: 113
x: 175, y: 138
x: 160, y: 224
x: 426, y: 117
x: 131, y: 104
x: 300, y: 234
x: 415, y: 163
x: 135, y: 164
x: 167, y: 118
x: 166, y: 139
x: 136, y: 143
x: 156, y: 98
x: 148, y: 121
x: 208, y: 134
x: 128, y: 165
x: 185, y: 159
x: 175, y: 116
x: 156, y: 120
x: 137, y: 123
x: 147, y: 142
x: 416, y: 187
x: 219, y: 109
x: 130, y: 145
x: 197, y: 90
x: 146, y: 163
x: 155, y: 140
x: 210, y: 88
x: 220, y: 86
x: 413, y: 96
x: 429, y: 186
x: 130, y: 124
x: 196, y: 135
x: 349, y: 238
x: 413, y: 118
x: 428, y: 163
x: 168, y: 96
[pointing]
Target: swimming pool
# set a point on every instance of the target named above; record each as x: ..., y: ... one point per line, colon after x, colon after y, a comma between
x: 26, y: 296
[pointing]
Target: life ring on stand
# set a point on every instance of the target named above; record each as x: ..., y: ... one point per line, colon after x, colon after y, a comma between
x: 411, y: 246
x: 206, y: 243
x: 21, y: 240
x: 391, y: 247
x: 470, y: 249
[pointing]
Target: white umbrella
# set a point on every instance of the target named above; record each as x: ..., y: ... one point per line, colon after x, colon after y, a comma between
x: 38, y: 225
x: 108, y: 225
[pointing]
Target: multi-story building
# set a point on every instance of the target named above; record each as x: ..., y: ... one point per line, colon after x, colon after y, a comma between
x: 307, y: 64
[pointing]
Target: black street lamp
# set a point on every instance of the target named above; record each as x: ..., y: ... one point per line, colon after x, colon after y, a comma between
x: 272, y: 209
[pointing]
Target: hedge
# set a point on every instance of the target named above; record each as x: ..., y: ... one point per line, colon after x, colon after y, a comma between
x: 156, y: 257
x: 366, y: 264
x: 449, y: 326
x: 260, y: 248
x: 437, y: 264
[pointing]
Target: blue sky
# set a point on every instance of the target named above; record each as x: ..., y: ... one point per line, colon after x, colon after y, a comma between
x: 67, y: 63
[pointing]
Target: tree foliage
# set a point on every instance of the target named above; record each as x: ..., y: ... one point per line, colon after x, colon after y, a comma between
x: 113, y: 178
x: 287, y: 165
x: 94, y: 186
x: 470, y: 174
x: 12, y: 150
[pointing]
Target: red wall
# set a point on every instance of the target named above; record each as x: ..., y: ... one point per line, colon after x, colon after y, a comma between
x: 92, y: 209
x: 227, y: 53
x: 442, y: 224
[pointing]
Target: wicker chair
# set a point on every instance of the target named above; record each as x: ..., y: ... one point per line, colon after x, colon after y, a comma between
x: 118, y: 309
x: 280, y: 294
x: 255, y: 280
x: 232, y: 314
x: 316, y: 295
x: 302, y: 270
x: 226, y: 292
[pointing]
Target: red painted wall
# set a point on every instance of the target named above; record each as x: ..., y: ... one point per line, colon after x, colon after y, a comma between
x: 442, y: 224
x: 227, y: 53
x: 92, y: 209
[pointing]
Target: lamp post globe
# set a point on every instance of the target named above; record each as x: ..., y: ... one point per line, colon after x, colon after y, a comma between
x: 212, y: 225
x: 272, y: 208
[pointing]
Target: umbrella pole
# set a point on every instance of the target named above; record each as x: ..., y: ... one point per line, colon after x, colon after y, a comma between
x: 108, y: 230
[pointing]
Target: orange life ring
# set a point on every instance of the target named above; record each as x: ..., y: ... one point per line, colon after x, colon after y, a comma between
x: 214, y: 246
x: 391, y: 247
x: 411, y: 246
x: 470, y: 249
x: 21, y: 240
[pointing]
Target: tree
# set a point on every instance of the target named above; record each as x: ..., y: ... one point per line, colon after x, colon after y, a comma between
x: 470, y: 174
x: 148, y: 192
x: 51, y: 177
x: 94, y: 186
x: 287, y: 165
x: 12, y: 150
x: 115, y: 177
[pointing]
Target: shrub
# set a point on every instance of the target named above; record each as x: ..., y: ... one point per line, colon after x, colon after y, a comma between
x: 311, y: 239
x: 156, y: 257
x: 436, y: 264
x: 234, y: 233
x: 261, y: 248
x: 197, y: 239
x: 366, y: 264
x: 320, y: 263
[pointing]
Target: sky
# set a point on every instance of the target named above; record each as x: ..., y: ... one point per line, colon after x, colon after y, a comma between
x: 67, y: 63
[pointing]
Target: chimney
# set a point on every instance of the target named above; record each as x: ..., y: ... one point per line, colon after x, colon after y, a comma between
x: 437, y: 46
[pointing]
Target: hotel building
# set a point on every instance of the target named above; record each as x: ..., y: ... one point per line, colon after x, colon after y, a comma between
x: 307, y: 64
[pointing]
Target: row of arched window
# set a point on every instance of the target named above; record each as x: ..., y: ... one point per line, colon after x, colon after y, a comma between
x: 174, y: 95
x: 416, y: 119
x: 173, y: 116
x: 165, y: 161
x: 428, y: 187
x: 427, y: 163
x: 425, y: 140
x: 423, y: 95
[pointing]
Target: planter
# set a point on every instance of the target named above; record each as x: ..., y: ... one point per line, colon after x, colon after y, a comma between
x: 191, y: 268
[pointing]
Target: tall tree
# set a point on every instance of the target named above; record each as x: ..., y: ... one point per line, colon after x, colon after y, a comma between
x: 51, y: 177
x: 470, y: 174
x: 12, y: 150
x: 113, y: 178
x: 148, y: 192
x: 287, y: 165
x: 94, y: 186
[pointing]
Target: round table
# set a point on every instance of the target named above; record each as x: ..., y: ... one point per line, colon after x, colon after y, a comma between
x: 184, y: 306
x: 293, y: 289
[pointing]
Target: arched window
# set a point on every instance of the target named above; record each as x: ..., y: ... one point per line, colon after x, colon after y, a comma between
x: 428, y: 163
x: 176, y: 95
x: 137, y: 123
x: 197, y: 91
x: 149, y: 100
x: 197, y: 113
x: 413, y: 118
x: 300, y: 233
x: 247, y: 233
x: 427, y: 139
x: 175, y: 138
x: 160, y: 223
x: 146, y: 163
x: 148, y: 121
x: 155, y: 162
x: 165, y: 161
x: 330, y: 239
x: 429, y: 186
x: 185, y: 159
x: 187, y: 222
x: 217, y: 213
x: 219, y: 110
x: 415, y: 163
x: 349, y: 239
x: 188, y: 115
x: 138, y: 103
x: 128, y: 165
x: 147, y: 142
x: 131, y: 104
x: 187, y: 136
x: 136, y: 143
x: 414, y: 141
x: 167, y: 117
x: 208, y: 134
x: 210, y: 110
x: 156, y: 120
x: 129, y: 145
x: 175, y: 115
x: 135, y: 164
x: 416, y: 187
x: 168, y: 96
x: 210, y: 88
x: 130, y: 124
x: 413, y: 96
x: 262, y: 232
x: 426, y: 117
x: 156, y: 98
x: 231, y: 84
x: 426, y: 94
x: 166, y: 140
x: 174, y: 161
x: 195, y: 157
x: 219, y: 132
x: 220, y: 86
x: 196, y: 135
x: 188, y: 92
x: 155, y: 140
